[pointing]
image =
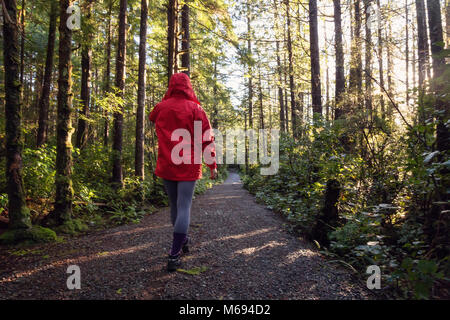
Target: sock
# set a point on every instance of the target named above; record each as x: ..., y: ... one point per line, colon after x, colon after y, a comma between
x: 178, y: 241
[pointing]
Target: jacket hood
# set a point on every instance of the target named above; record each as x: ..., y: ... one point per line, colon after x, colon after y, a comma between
x: 180, y: 82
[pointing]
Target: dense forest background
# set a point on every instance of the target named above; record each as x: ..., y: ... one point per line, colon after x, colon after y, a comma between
x: 358, y: 88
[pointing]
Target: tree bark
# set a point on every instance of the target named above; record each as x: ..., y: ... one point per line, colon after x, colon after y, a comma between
x: 171, y: 37
x: 407, y: 51
x: 108, y: 72
x: 422, y: 44
x: 438, y: 85
x: 340, y: 76
x: 368, y: 58
x: 63, y: 178
x: 22, y: 43
x: 316, y: 92
x: 355, y: 85
x: 140, y: 115
x: 279, y: 71
x: 185, y: 43
x: 19, y: 214
x: 380, y: 58
x: 291, y: 71
x: 250, y: 79
x: 117, y: 177
x: 44, y: 100
x: 86, y: 61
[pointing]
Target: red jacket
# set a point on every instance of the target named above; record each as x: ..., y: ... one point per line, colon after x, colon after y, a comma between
x: 178, y: 110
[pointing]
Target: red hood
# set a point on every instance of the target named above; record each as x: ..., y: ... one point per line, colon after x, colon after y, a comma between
x: 180, y: 82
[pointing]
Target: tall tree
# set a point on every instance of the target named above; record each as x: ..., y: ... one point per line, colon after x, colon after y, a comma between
x: 186, y: 41
x: 108, y: 71
x: 279, y: 71
x: 407, y: 51
x: 340, y: 76
x: 355, y: 85
x: 44, y: 100
x: 422, y: 44
x: 86, y: 61
x: 250, y: 78
x: 315, y: 59
x: 63, y: 177
x: 140, y: 115
x: 22, y: 42
x: 380, y: 57
x: 19, y: 214
x: 117, y: 176
x: 438, y: 85
x: 172, y: 22
x: 368, y: 58
x: 291, y: 70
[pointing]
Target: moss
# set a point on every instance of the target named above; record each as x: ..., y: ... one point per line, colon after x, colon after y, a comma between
x: 35, y: 234
x: 72, y: 227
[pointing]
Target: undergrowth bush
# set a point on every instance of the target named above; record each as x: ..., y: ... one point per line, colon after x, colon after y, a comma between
x: 385, y: 195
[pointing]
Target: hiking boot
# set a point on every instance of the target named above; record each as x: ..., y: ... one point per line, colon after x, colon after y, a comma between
x: 185, y: 247
x: 173, y: 263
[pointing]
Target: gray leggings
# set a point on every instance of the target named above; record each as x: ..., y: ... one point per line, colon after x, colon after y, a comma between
x: 180, y: 200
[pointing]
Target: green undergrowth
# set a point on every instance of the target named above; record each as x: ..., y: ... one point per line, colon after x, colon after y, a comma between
x: 383, y: 203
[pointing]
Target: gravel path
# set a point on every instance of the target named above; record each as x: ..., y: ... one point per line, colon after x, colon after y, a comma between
x: 241, y: 248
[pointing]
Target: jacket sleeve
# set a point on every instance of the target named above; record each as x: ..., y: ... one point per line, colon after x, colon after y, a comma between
x: 209, y: 139
x: 153, y: 114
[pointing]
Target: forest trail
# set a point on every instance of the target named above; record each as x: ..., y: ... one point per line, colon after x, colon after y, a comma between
x: 240, y: 249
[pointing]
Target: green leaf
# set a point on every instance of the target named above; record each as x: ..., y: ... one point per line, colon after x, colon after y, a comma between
x: 195, y: 271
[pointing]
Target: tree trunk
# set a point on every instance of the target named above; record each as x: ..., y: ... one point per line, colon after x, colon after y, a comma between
x: 436, y: 37
x: 316, y: 92
x: 340, y: 76
x: 44, y: 100
x: 407, y: 51
x: 185, y: 43
x: 63, y: 178
x: 250, y: 80
x: 140, y: 115
x: 355, y: 85
x: 215, y: 117
x: 171, y: 37
x: 19, y: 214
x: 22, y: 43
x: 422, y: 45
x: 117, y: 177
x: 447, y: 23
x: 368, y: 58
x: 108, y: 72
x: 380, y: 58
x: 280, y: 90
x: 390, y: 66
x: 291, y: 71
x: 261, y: 105
x: 86, y: 61
x: 438, y: 84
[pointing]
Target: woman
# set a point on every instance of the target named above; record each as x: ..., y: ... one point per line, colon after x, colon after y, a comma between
x: 179, y: 109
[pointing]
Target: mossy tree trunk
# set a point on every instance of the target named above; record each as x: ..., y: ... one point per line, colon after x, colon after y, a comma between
x: 63, y: 180
x: 19, y: 214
